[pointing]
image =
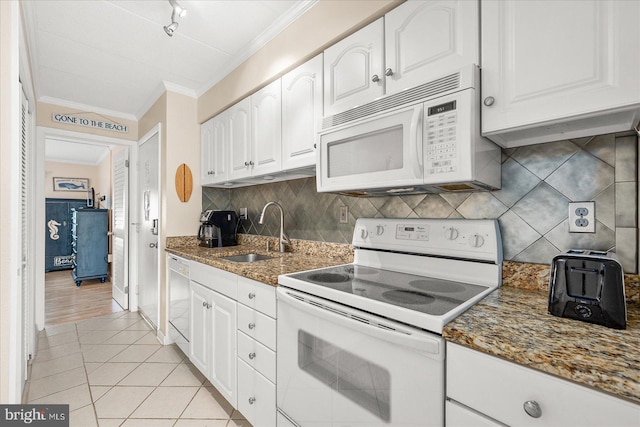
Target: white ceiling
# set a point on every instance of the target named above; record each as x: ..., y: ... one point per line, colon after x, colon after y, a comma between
x: 64, y: 151
x: 114, y: 56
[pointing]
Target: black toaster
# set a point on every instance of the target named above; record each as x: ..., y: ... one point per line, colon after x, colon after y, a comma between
x: 589, y: 286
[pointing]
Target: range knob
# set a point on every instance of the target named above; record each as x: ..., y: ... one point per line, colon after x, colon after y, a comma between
x: 364, y: 233
x: 379, y: 230
x: 451, y: 233
x: 476, y: 241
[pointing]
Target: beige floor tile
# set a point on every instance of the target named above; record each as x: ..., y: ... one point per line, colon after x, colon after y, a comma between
x: 56, y: 340
x: 237, y: 415
x: 92, y: 366
x: 76, y: 397
x: 111, y: 373
x: 165, y: 402
x: 132, y: 422
x: 58, y: 329
x: 98, y: 324
x: 120, y: 402
x: 208, y: 403
x: 55, y: 366
x: 140, y: 325
x: 126, y: 323
x: 110, y: 422
x: 126, y: 337
x: 167, y: 354
x: 136, y: 353
x: 97, y: 391
x: 96, y: 337
x: 239, y: 423
x: 102, y: 352
x: 149, y: 338
x: 200, y: 423
x: 45, y: 354
x: 56, y: 383
x: 149, y: 374
x: 83, y: 417
x: 185, y: 375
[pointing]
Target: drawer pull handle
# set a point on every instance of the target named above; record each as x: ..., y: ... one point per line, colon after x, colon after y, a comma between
x: 252, y: 356
x: 252, y: 400
x: 252, y: 325
x: 252, y: 295
x: 532, y: 408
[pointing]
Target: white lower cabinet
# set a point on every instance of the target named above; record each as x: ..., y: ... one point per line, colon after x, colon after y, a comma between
x: 487, y: 391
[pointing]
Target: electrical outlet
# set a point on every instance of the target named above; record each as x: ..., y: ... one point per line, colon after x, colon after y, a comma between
x: 344, y: 214
x: 243, y: 213
x: 582, y: 217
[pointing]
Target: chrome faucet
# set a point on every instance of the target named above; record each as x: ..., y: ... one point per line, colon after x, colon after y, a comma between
x: 284, y: 240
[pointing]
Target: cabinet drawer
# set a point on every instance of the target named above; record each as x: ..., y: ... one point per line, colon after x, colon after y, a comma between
x: 499, y: 389
x: 257, y: 326
x: 256, y: 355
x: 213, y: 278
x: 256, y: 397
x: 259, y: 296
x: 460, y: 416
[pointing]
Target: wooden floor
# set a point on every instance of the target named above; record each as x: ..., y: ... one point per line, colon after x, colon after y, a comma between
x: 65, y: 302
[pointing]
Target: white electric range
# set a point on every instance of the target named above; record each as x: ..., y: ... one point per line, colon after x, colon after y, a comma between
x: 360, y: 344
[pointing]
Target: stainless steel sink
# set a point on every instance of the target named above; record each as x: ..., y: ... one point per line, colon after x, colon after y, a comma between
x: 247, y: 257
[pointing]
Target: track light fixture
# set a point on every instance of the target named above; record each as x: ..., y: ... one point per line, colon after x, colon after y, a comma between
x: 178, y: 12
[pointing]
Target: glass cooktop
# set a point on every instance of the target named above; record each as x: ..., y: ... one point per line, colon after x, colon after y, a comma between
x: 419, y: 293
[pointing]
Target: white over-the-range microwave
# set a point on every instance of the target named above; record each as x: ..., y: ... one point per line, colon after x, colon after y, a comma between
x: 422, y: 140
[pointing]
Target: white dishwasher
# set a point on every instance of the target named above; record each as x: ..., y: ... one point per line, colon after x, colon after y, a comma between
x: 179, y: 303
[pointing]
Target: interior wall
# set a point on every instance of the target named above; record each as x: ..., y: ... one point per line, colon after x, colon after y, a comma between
x: 321, y: 26
x: 72, y: 170
x: 103, y: 187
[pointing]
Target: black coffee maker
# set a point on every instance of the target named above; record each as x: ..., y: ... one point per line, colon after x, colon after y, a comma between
x: 218, y: 229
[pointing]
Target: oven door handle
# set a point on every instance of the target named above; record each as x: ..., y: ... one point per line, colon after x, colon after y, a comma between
x: 342, y: 315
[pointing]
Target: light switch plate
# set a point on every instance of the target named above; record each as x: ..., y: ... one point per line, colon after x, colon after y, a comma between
x: 344, y: 214
x: 582, y: 217
x: 243, y: 213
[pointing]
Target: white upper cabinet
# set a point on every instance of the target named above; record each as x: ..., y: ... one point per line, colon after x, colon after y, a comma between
x: 239, y: 143
x: 559, y: 69
x: 301, y: 112
x: 425, y: 40
x: 266, y: 130
x: 354, y: 69
x: 214, y: 161
x: 415, y: 43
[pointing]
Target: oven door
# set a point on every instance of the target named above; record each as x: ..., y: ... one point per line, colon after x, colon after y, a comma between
x: 380, y: 152
x: 342, y: 367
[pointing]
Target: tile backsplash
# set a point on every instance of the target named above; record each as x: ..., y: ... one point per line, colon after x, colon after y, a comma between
x: 538, y: 182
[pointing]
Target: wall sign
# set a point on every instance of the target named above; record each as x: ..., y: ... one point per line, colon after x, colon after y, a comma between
x: 96, y: 124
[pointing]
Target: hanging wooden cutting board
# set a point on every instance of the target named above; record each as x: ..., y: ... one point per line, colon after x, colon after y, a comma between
x: 184, y: 182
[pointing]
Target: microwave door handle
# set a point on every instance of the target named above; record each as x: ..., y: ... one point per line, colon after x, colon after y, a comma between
x: 416, y: 132
x: 340, y: 315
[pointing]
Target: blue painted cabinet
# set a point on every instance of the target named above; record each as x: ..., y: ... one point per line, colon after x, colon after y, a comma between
x: 89, y: 230
x: 57, y: 248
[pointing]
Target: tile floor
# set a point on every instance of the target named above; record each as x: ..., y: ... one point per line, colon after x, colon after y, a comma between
x: 112, y: 372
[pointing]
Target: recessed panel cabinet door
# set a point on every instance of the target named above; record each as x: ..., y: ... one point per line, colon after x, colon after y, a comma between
x: 223, y: 347
x: 213, y: 149
x: 354, y: 69
x: 266, y: 130
x: 425, y: 40
x: 239, y: 119
x: 543, y: 61
x: 301, y: 113
x: 206, y: 153
x: 200, y: 331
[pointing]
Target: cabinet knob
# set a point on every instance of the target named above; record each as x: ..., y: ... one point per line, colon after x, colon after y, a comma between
x: 388, y: 72
x: 532, y: 408
x: 252, y: 356
x: 246, y: 163
x: 252, y: 295
x: 252, y: 400
x: 153, y: 245
x: 489, y: 100
x: 204, y: 303
x: 251, y: 163
x: 252, y: 325
x: 375, y: 78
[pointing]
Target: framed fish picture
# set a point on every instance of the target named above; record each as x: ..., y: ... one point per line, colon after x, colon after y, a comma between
x: 70, y: 184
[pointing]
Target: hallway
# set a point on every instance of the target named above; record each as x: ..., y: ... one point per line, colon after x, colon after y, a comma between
x: 112, y: 372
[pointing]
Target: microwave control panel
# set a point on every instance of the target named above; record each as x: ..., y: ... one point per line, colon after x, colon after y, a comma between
x: 441, y: 138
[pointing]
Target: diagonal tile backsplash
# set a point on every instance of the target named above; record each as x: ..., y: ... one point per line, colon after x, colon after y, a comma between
x: 538, y: 182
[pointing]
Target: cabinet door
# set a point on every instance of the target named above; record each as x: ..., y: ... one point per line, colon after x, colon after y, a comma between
x: 256, y: 397
x: 426, y: 40
x: 301, y: 113
x: 200, y: 327
x: 266, y: 130
x: 239, y: 120
x: 222, y: 372
x: 206, y: 153
x: 544, y: 61
x: 354, y: 69
x: 219, y: 142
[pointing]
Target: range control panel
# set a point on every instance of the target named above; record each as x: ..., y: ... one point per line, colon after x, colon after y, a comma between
x: 458, y: 238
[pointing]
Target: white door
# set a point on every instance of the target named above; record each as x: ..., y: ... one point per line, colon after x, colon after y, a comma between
x: 266, y: 130
x: 148, y: 226
x: 354, y: 69
x: 120, y: 218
